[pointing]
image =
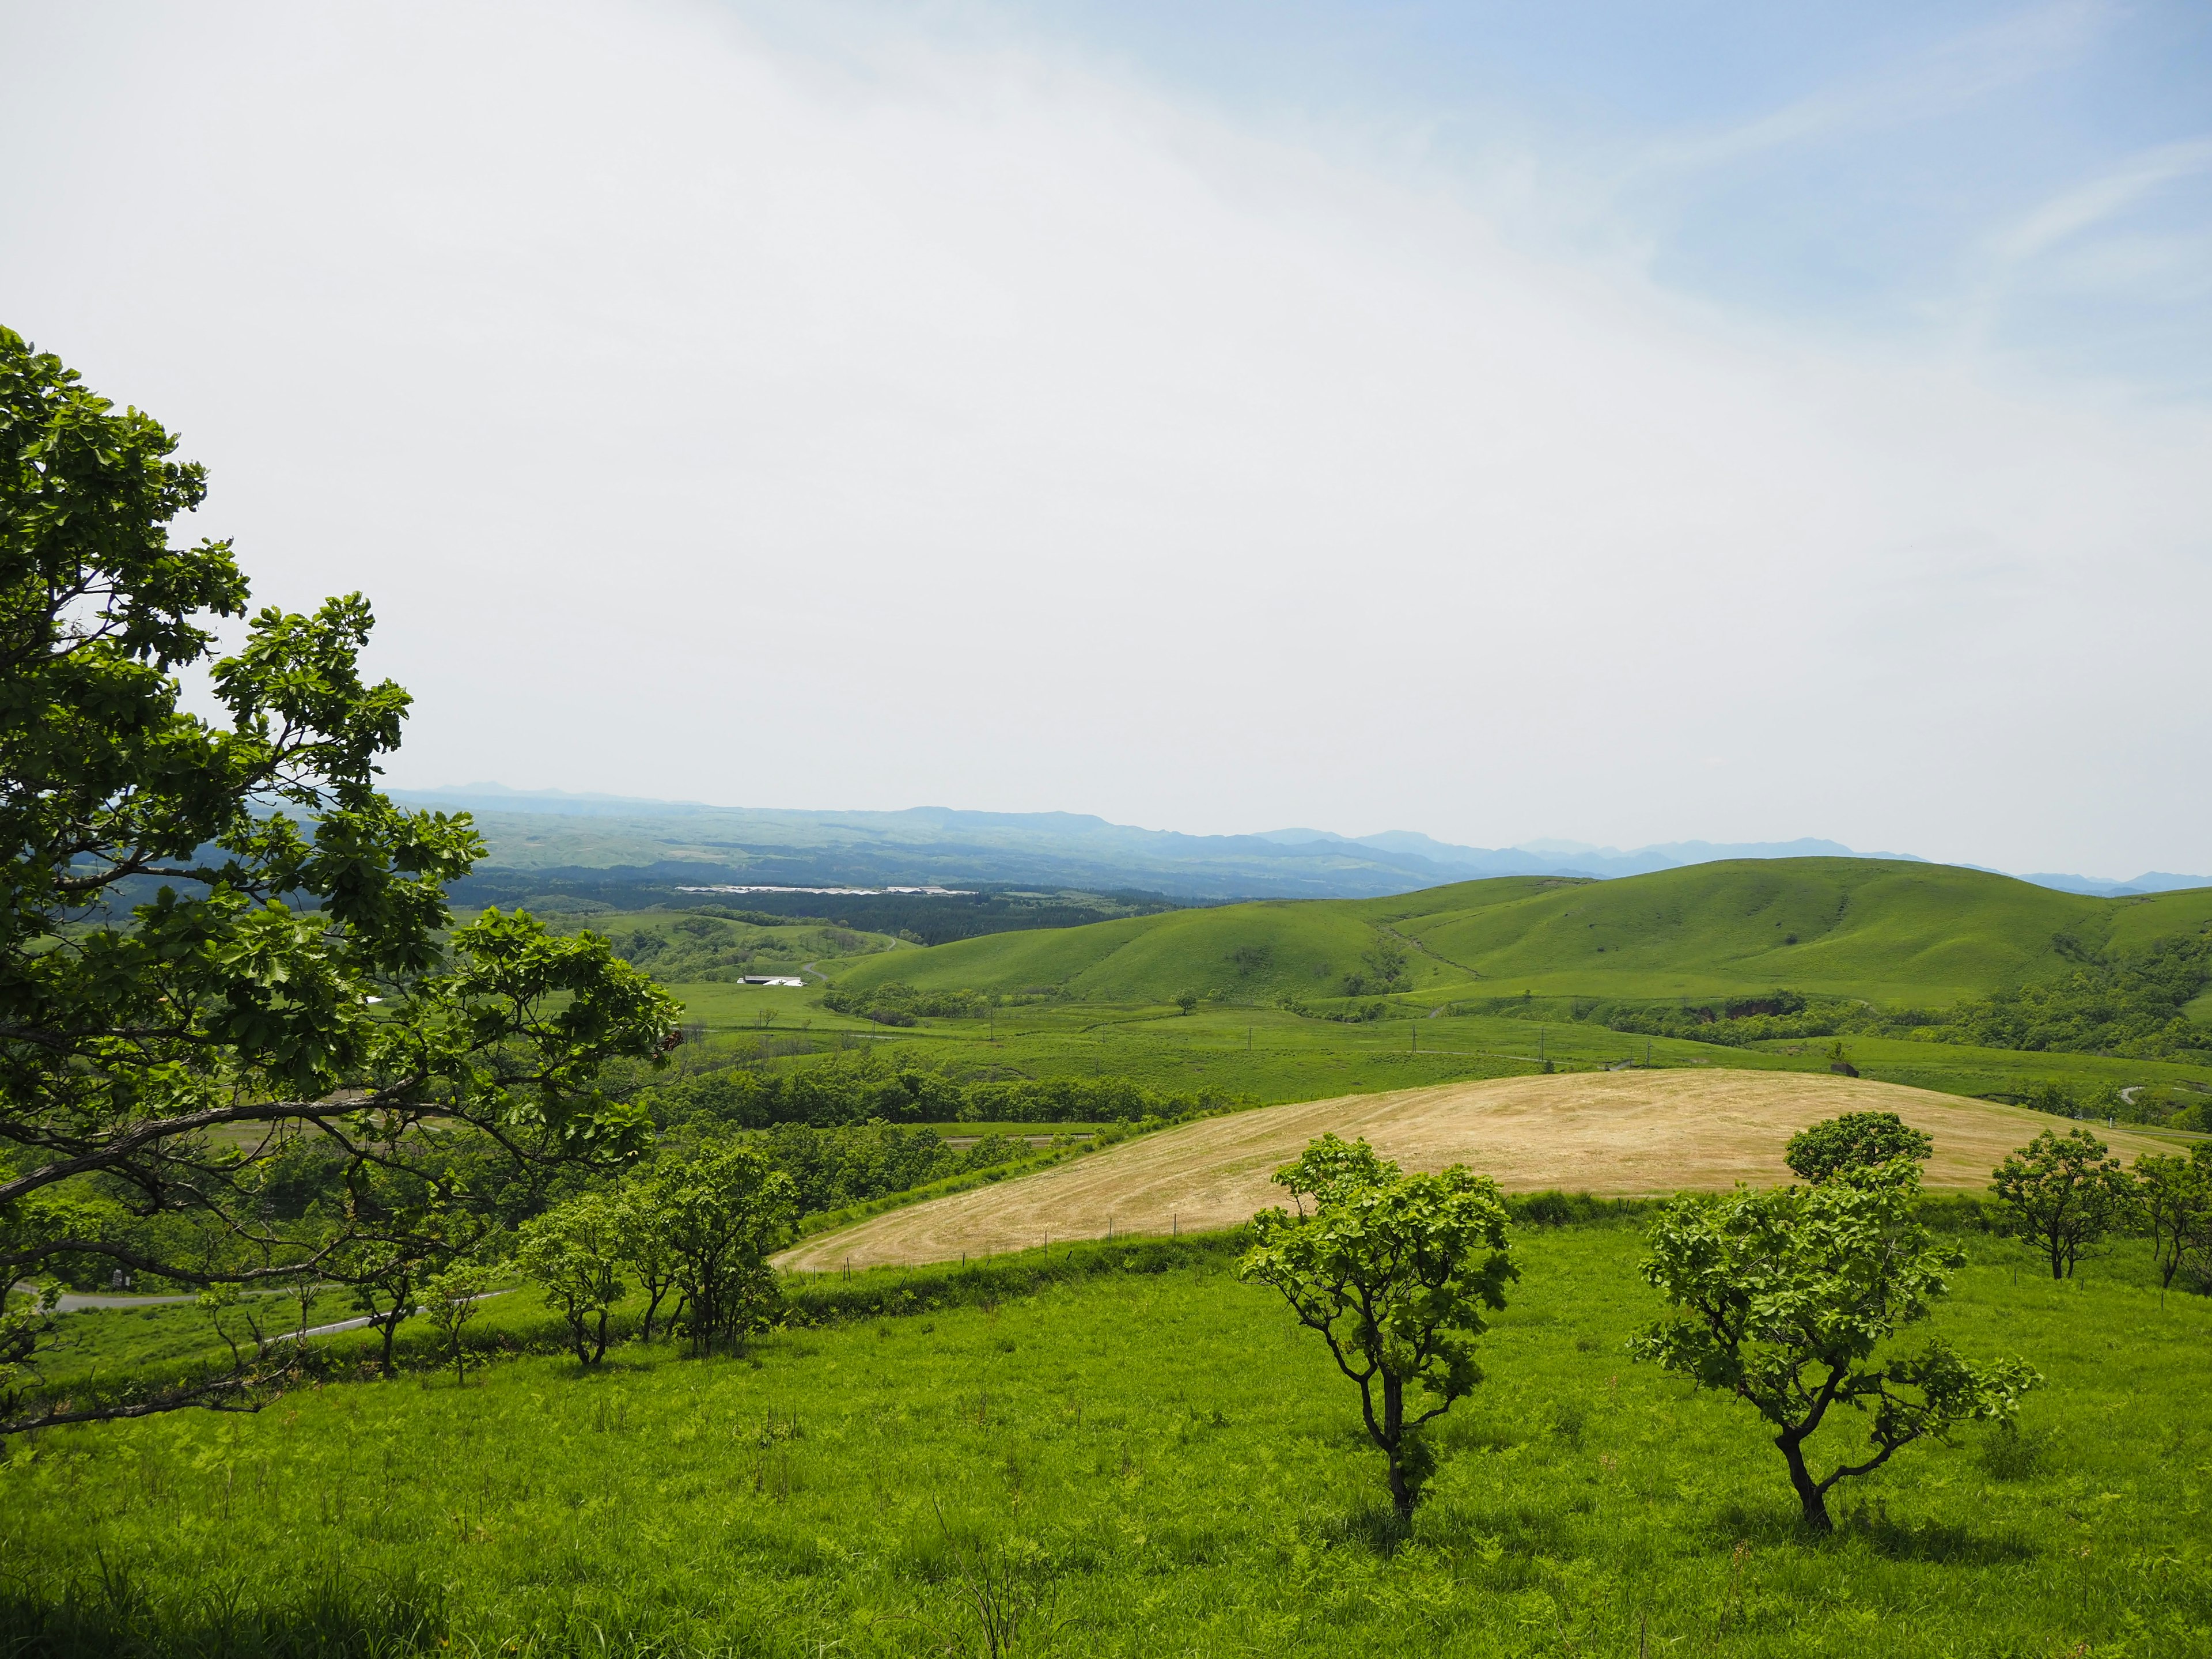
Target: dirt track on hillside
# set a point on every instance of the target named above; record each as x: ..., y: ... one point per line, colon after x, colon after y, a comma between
x: 1622, y: 1133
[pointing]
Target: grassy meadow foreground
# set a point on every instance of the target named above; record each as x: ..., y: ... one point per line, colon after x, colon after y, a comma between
x: 1150, y: 1459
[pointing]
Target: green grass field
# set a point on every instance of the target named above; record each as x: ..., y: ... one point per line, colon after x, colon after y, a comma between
x: 1269, y: 1055
x: 1136, y: 1463
x: 1897, y: 933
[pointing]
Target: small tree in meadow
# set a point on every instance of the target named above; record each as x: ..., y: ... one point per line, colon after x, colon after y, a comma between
x: 1394, y: 1271
x: 574, y: 1254
x: 1856, y: 1140
x: 385, y: 1276
x: 2173, y: 1207
x: 1187, y: 1000
x: 2062, y: 1193
x: 1784, y: 1298
x: 726, y: 1210
x: 451, y: 1300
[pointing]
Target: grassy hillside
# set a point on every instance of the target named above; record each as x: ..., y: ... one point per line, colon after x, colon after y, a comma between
x: 1897, y: 933
x: 1247, y: 951
x: 1138, y: 1463
x: 1894, y: 932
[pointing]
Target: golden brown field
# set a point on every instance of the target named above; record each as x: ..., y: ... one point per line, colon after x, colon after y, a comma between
x: 1620, y: 1133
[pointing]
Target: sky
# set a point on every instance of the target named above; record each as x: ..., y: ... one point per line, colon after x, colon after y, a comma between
x: 1627, y: 423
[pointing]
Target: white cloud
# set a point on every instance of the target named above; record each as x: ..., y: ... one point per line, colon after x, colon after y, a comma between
x: 1934, y: 81
x: 2101, y: 199
x: 713, y: 419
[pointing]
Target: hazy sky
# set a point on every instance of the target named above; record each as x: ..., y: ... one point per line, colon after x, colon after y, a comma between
x: 1624, y: 421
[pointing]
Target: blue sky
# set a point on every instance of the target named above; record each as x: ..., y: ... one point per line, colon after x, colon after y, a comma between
x: 1629, y: 424
x: 2036, y: 179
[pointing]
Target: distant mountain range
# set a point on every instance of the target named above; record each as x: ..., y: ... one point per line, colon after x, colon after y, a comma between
x: 558, y: 834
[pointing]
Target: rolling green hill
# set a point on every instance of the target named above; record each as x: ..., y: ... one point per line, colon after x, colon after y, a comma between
x: 1900, y: 934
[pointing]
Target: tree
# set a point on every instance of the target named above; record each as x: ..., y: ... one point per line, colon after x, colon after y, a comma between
x: 1782, y: 1298
x: 575, y: 1254
x: 726, y: 1210
x: 647, y: 1249
x: 1388, y: 960
x: 217, y: 937
x: 1856, y: 1140
x: 1394, y: 1271
x: 451, y: 1299
x: 1187, y: 1000
x: 2173, y: 1206
x: 386, y: 1277
x: 2063, y: 1193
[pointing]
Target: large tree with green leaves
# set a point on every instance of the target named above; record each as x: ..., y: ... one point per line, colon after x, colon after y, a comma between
x: 218, y: 937
x: 1394, y: 1271
x: 1789, y: 1300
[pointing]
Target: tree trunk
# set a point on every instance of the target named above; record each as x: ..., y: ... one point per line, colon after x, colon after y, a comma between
x: 599, y: 1351
x: 1393, y: 1442
x: 1809, y: 1495
x: 391, y: 1329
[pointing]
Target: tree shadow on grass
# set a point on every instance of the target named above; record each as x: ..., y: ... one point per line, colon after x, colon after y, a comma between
x: 111, y: 1615
x: 1373, y: 1527
x: 1941, y: 1542
x: 1770, y: 1525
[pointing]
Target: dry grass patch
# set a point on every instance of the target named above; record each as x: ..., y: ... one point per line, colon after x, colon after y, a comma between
x: 1620, y: 1133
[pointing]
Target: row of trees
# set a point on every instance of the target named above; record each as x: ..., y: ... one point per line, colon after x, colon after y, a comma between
x: 1789, y: 1300
x: 898, y: 1004
x: 863, y: 1090
x: 2064, y: 1194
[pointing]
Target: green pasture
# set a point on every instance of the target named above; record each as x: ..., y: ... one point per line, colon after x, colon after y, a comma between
x: 1138, y: 1463
x: 1270, y: 1055
x: 1897, y: 933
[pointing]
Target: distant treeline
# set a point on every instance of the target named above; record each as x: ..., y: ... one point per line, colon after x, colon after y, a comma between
x: 895, y: 1004
x: 2129, y: 1007
x: 840, y: 1093
x: 833, y: 1168
x: 925, y: 918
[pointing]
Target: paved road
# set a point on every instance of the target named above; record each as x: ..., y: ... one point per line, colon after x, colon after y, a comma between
x: 74, y: 1302
x: 361, y: 1323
